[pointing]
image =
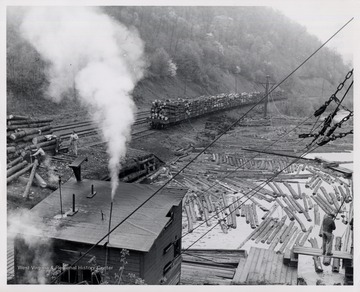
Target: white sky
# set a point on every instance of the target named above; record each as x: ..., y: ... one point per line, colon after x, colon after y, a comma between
x: 323, y: 19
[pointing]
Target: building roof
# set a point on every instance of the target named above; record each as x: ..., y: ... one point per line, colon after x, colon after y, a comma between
x: 138, y: 232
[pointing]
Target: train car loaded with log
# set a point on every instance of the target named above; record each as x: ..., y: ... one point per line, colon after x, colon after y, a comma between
x: 168, y: 112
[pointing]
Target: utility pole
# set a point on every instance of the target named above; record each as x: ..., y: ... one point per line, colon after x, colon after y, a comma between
x: 266, y: 85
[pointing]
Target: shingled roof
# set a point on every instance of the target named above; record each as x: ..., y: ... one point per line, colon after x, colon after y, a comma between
x: 138, y: 232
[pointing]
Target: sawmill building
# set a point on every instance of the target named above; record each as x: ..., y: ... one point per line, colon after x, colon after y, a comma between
x: 152, y: 235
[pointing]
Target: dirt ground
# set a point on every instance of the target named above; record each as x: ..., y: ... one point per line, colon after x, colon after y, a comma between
x: 165, y: 144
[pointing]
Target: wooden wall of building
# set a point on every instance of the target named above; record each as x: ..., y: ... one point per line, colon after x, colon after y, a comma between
x: 162, y: 253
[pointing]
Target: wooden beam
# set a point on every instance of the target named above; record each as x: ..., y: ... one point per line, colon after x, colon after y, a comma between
x: 318, y: 252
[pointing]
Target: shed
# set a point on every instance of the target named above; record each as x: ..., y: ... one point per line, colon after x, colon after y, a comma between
x: 152, y: 235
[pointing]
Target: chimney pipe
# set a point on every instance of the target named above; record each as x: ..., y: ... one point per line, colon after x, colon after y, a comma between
x: 111, y: 206
x: 74, y: 210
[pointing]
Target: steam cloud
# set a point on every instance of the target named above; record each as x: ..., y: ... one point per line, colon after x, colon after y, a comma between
x: 37, y: 253
x: 101, y: 58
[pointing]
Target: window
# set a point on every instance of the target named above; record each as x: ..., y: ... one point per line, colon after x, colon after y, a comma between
x: 171, y: 215
x: 167, y: 248
x: 167, y: 268
x: 177, y: 247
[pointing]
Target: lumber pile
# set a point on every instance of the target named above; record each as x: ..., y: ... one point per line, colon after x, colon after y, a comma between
x: 24, y: 133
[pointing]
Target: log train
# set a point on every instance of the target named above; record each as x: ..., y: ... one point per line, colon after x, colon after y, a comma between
x: 168, y: 112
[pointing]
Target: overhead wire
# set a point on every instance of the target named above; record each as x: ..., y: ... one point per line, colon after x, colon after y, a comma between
x: 202, y: 151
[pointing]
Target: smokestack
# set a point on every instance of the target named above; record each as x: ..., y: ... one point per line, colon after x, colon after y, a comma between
x: 74, y: 210
x: 73, y: 203
x: 111, y: 206
x: 61, y: 212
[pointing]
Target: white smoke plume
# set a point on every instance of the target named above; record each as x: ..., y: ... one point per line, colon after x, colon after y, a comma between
x: 33, y: 249
x: 98, y: 56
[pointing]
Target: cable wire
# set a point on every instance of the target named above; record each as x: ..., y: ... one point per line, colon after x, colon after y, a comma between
x: 202, y: 151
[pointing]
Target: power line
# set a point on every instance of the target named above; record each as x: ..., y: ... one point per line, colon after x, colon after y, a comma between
x: 294, y: 161
x: 202, y: 151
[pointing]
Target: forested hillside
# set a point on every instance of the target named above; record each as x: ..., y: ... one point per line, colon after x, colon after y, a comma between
x: 197, y: 50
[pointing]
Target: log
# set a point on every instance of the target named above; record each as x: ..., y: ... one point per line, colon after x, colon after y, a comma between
x: 277, y: 237
x: 310, y: 203
x: 326, y: 204
x: 247, y: 214
x: 29, y: 121
x: 306, y: 208
x: 19, y: 173
x: 292, y: 191
x: 275, y: 191
x: 286, y: 209
x: 211, y: 203
x: 287, y: 239
x: 278, y: 188
x: 316, y: 215
x: 336, y: 204
x: 310, y: 182
x: 42, y: 145
x: 348, y: 195
x: 208, y: 204
x: 14, y: 162
x: 21, y: 134
x: 10, y: 149
x: 338, y: 197
x: 261, y: 228
x: 189, y: 218
x: 316, y: 188
x: 305, y: 237
x: 299, y: 237
x: 342, y: 192
x: 299, y: 190
x: 320, y: 204
x: 256, y: 218
x: 266, y: 230
x: 27, y: 126
x: 16, y: 168
x: 192, y: 211
x: 262, y: 224
x: 17, y: 117
x: 243, y: 211
x: 328, y: 198
x: 297, y: 205
x: 286, y: 232
x: 206, y: 213
x: 269, y: 232
x: 270, y: 212
x: 289, y: 204
x: 316, y: 259
x: 336, y: 261
x: 233, y: 216
x: 31, y: 177
x: 277, y: 230
x: 236, y: 208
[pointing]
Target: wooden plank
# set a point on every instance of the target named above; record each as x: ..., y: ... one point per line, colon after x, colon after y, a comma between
x: 261, y: 275
x: 239, y: 270
x: 318, y: 252
x: 253, y: 265
x: 242, y: 277
x: 269, y: 266
x: 257, y: 268
x: 279, y: 265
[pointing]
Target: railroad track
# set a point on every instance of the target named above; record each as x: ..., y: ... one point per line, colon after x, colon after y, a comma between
x: 88, y: 127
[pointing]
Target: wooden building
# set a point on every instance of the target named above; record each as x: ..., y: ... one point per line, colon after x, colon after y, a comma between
x: 152, y: 235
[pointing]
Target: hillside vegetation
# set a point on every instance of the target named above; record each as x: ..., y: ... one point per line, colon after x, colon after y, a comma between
x: 193, y: 51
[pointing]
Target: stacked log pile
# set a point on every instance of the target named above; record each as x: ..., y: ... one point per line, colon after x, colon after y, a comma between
x: 165, y: 112
x: 24, y: 135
